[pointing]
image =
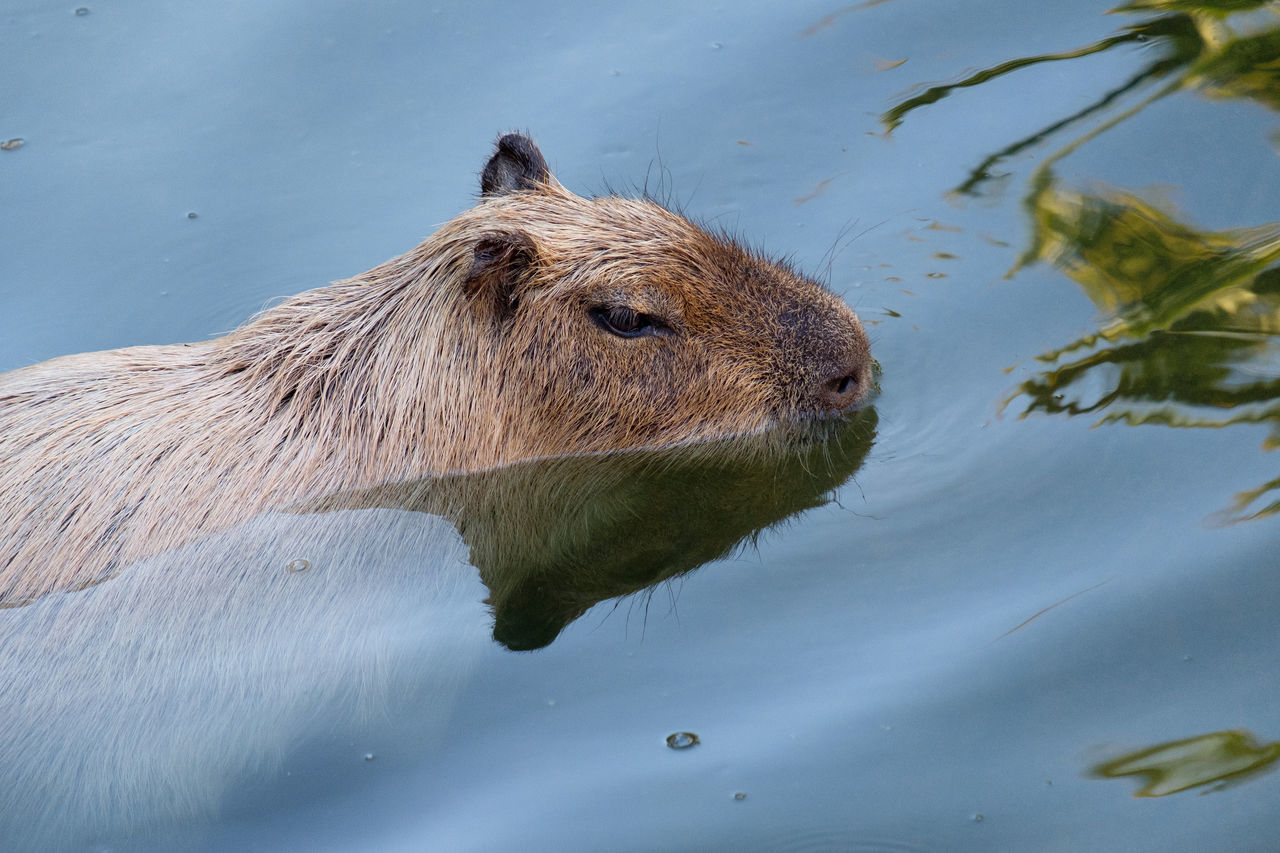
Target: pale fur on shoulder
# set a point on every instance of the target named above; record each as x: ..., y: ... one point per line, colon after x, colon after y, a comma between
x: 116, y: 455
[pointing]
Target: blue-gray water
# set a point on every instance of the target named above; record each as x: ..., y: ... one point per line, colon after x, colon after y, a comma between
x: 992, y: 613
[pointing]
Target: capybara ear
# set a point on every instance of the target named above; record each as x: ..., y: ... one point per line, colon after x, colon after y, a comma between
x: 500, y: 262
x: 516, y: 164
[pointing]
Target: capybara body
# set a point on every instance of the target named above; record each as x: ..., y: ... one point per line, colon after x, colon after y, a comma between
x: 536, y: 323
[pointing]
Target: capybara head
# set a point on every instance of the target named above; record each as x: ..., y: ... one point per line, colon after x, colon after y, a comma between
x: 542, y: 323
x: 621, y: 324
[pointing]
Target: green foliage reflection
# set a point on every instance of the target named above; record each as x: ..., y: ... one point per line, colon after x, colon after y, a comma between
x: 1190, y: 329
x: 1218, y: 757
x: 1192, y: 317
x: 1222, y: 7
x: 1224, y: 49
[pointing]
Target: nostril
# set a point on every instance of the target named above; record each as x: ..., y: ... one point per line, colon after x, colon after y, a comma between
x: 841, y: 392
x: 842, y: 385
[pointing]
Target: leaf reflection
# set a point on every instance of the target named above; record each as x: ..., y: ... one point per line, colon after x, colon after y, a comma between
x: 1218, y: 757
x: 1224, y: 49
x: 1190, y: 329
x: 1192, y: 317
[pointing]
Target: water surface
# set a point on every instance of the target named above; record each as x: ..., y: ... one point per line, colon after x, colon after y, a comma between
x: 1039, y: 616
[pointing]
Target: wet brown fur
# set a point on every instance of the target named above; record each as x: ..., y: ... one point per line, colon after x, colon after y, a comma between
x: 473, y: 350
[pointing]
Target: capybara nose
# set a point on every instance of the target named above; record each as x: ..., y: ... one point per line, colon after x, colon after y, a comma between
x: 843, y: 390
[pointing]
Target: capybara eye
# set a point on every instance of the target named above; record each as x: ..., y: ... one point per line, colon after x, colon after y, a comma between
x: 626, y: 322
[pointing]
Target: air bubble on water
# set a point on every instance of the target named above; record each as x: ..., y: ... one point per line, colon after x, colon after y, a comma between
x: 682, y: 740
x: 293, y: 567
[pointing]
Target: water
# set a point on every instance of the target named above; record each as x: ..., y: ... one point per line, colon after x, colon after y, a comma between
x: 1045, y: 579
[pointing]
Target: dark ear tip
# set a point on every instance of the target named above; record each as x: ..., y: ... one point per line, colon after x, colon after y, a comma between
x: 515, y: 143
x: 516, y: 165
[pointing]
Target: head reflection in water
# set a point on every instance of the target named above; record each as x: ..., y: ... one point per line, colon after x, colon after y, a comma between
x: 553, y: 537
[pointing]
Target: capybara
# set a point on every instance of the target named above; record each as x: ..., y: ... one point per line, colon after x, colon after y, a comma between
x: 536, y: 323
